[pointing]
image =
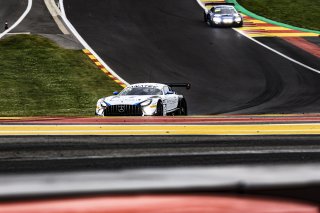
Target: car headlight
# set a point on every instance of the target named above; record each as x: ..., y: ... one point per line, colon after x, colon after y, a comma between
x: 146, y: 102
x: 103, y: 104
x: 238, y: 19
x: 216, y: 19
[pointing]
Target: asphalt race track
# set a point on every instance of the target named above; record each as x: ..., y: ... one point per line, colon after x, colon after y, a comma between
x: 87, y: 153
x: 166, y: 41
x: 11, y: 11
x: 292, y: 51
x: 37, y: 144
x: 38, y: 20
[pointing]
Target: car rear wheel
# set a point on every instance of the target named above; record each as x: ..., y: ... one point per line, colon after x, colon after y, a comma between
x: 183, y: 107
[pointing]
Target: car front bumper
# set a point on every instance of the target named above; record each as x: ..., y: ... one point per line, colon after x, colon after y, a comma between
x: 126, y: 110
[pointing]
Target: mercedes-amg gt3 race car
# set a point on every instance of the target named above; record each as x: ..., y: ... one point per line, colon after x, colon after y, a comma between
x: 223, y: 14
x: 144, y: 99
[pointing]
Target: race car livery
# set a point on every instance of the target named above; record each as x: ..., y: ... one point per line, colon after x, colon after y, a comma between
x: 144, y: 99
x: 223, y: 15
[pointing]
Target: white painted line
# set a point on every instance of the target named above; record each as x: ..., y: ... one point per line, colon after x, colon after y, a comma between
x: 202, y: 5
x: 85, y: 44
x: 19, y: 20
x: 26, y: 33
x: 277, y: 52
x: 269, y: 48
x: 55, y: 12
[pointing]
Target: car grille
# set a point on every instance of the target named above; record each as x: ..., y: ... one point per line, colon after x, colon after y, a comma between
x: 227, y: 21
x: 123, y: 110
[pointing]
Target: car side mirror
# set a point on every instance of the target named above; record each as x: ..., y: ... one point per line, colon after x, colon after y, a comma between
x: 115, y: 93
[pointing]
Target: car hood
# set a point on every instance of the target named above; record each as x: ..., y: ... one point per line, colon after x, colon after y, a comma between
x: 227, y: 16
x: 127, y: 100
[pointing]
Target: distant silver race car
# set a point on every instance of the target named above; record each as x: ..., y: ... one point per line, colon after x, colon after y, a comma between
x: 144, y: 99
x: 223, y: 14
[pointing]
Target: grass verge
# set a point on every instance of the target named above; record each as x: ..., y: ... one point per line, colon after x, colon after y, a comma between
x: 39, y: 78
x: 299, y: 13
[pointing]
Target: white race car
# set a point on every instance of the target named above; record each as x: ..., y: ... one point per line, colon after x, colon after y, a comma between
x: 144, y: 99
x: 223, y: 14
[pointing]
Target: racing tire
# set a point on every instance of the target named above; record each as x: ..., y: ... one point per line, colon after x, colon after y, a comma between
x: 159, y: 109
x: 183, y: 110
x: 205, y: 17
x: 240, y: 24
x: 208, y: 21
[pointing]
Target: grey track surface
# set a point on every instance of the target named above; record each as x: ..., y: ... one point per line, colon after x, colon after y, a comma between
x: 11, y: 10
x: 63, y: 153
x: 40, y: 166
x: 166, y: 41
x: 38, y: 20
x: 65, y: 41
x: 292, y: 51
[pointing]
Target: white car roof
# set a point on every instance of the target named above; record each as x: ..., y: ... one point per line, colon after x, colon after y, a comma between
x: 156, y: 85
x: 224, y: 6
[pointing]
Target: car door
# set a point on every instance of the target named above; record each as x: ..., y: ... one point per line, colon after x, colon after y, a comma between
x: 171, y: 97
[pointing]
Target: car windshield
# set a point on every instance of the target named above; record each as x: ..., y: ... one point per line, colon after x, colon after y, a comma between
x: 224, y: 11
x: 141, y: 91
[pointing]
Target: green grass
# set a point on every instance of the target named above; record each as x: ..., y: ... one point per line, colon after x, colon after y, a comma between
x: 38, y: 78
x: 299, y: 13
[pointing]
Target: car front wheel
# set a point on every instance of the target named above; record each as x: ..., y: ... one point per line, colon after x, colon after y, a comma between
x: 159, y: 109
x: 204, y: 17
x: 240, y: 24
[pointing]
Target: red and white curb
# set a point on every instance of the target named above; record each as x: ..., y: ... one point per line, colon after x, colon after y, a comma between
x: 103, y: 68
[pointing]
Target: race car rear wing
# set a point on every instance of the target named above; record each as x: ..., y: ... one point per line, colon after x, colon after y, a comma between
x: 186, y: 85
x: 215, y: 4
